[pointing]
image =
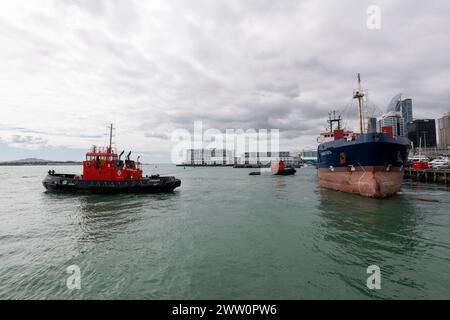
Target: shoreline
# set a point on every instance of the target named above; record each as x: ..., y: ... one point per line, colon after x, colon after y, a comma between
x: 44, y: 163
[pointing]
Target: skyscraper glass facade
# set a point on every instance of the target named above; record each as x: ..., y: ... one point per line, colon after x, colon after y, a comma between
x: 422, y: 131
x: 400, y: 109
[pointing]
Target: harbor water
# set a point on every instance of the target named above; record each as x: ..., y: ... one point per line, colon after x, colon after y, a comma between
x: 222, y: 235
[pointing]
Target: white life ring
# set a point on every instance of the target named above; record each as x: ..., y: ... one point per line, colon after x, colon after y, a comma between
x: 119, y: 172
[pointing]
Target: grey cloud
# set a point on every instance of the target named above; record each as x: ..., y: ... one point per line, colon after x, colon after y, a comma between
x: 158, y: 135
x: 232, y: 64
x: 27, y: 142
x: 27, y: 132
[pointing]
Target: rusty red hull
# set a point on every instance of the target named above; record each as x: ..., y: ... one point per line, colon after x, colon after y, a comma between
x: 374, y: 182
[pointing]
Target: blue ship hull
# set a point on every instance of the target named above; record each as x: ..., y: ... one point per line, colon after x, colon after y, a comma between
x: 371, y: 165
x: 369, y: 149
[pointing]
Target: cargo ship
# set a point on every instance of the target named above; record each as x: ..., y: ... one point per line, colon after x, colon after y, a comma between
x: 365, y: 163
x: 105, y: 172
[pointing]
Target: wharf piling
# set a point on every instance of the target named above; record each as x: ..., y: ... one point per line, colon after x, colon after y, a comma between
x: 428, y: 175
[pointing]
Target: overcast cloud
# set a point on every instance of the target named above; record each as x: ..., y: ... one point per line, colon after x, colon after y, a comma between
x: 68, y: 68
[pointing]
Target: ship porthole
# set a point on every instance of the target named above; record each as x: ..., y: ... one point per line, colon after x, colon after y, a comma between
x: 343, y: 158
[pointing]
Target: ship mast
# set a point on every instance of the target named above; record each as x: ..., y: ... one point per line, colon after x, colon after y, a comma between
x: 359, y: 94
x: 333, y: 119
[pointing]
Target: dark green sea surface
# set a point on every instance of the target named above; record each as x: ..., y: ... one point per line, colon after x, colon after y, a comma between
x: 222, y: 235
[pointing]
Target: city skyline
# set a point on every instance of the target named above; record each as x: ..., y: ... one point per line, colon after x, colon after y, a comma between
x: 70, y: 68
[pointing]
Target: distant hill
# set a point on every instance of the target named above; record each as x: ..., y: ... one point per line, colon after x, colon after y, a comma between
x: 29, y: 160
x: 37, y: 162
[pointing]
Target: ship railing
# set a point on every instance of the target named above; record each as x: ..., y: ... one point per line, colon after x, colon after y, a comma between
x: 95, y: 149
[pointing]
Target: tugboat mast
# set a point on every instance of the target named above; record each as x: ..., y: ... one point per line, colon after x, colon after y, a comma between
x: 110, y: 137
x: 359, y: 94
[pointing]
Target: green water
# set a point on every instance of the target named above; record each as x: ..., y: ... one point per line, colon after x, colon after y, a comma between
x: 223, y: 234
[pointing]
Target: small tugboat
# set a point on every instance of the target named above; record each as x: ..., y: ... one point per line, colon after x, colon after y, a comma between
x: 279, y: 169
x: 105, y: 172
x: 276, y: 169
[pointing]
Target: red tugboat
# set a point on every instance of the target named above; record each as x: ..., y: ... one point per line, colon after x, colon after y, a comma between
x: 279, y: 169
x: 105, y: 172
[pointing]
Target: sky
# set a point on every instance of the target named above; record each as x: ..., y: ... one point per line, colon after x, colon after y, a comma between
x: 68, y: 68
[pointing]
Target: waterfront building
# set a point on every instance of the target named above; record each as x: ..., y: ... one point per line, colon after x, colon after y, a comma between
x: 444, y: 131
x: 398, y: 114
x: 422, y: 130
x: 309, y: 156
x: 406, y: 110
x: 264, y: 158
x: 210, y: 157
x: 219, y: 157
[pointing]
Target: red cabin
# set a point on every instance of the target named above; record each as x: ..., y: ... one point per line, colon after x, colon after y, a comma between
x: 277, y: 166
x: 105, y: 164
x: 338, y: 134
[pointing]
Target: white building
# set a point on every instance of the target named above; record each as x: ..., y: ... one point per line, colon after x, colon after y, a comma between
x: 263, y: 158
x: 210, y: 157
x: 309, y: 156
